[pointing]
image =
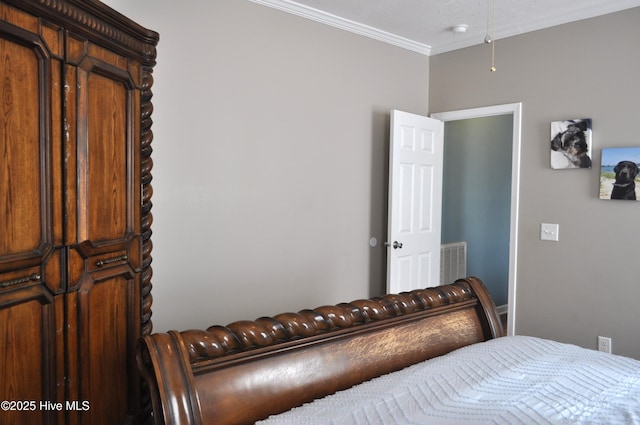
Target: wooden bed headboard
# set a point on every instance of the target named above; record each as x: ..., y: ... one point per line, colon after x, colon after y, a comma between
x: 248, y: 370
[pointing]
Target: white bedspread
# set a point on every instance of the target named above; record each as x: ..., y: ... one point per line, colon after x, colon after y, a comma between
x: 510, y: 380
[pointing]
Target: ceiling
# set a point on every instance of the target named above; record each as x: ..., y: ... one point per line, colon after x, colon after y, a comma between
x: 424, y: 26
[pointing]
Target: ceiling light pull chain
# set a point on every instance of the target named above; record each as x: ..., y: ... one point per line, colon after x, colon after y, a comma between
x: 491, y: 28
x: 493, y: 57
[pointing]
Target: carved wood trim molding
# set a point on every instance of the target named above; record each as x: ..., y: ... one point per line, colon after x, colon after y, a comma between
x: 219, y: 341
x: 146, y: 137
x: 99, y: 23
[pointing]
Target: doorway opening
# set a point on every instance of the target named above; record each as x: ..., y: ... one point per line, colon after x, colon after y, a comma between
x: 511, y: 162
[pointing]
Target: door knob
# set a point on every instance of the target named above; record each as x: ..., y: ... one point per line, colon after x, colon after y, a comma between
x: 397, y: 245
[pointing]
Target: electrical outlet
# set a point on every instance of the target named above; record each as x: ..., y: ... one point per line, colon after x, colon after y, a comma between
x: 604, y: 344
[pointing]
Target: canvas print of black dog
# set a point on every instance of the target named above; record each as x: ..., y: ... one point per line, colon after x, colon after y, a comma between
x: 619, y: 173
x: 571, y: 144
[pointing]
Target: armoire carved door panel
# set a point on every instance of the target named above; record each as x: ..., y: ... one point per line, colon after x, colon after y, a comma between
x: 106, y: 305
x: 104, y: 267
x: 31, y: 256
x: 102, y: 111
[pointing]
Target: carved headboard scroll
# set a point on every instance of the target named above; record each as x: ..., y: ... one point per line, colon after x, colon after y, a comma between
x: 248, y: 370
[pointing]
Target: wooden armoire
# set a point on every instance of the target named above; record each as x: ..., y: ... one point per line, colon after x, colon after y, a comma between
x: 75, y: 212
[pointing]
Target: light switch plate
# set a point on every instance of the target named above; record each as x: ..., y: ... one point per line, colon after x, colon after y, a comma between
x: 549, y: 232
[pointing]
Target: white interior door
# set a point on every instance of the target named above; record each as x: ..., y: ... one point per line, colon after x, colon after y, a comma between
x: 415, y: 202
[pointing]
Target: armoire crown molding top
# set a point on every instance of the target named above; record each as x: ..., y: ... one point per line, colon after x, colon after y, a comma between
x: 98, y: 22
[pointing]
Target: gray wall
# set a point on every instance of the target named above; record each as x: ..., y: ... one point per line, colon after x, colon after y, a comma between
x: 270, y: 162
x: 270, y: 159
x: 586, y: 284
x: 476, y: 200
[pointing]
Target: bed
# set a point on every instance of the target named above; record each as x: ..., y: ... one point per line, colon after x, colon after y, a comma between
x: 430, y: 356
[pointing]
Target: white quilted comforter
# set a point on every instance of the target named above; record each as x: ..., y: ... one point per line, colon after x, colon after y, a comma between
x: 510, y: 380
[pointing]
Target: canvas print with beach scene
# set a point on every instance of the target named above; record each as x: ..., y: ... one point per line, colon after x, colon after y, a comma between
x: 619, y: 173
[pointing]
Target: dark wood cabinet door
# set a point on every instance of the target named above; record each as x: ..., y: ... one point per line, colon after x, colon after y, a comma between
x: 31, y: 358
x: 29, y: 149
x: 105, y: 383
x: 102, y: 110
x: 31, y: 256
x: 102, y: 102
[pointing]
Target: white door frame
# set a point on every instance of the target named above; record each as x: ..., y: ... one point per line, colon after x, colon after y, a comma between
x: 516, y: 110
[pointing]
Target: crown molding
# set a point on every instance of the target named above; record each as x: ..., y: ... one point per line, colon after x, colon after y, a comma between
x: 592, y: 10
x: 345, y: 24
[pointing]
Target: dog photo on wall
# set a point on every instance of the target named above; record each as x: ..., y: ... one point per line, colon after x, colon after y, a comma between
x: 571, y: 144
x: 619, y: 173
